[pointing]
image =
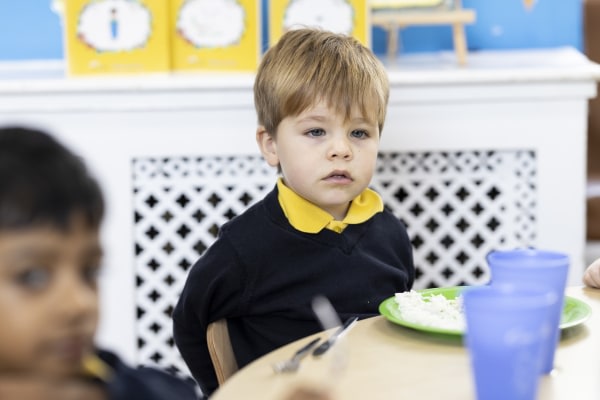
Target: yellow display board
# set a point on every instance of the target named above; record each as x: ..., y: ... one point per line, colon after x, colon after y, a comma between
x: 215, y: 35
x: 116, y: 36
x: 350, y: 17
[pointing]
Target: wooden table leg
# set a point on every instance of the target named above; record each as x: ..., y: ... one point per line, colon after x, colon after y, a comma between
x: 460, y: 43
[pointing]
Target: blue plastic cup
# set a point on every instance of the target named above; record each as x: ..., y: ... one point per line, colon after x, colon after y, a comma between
x: 504, y: 336
x: 526, y: 268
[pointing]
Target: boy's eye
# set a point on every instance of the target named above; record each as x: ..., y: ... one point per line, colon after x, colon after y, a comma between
x: 359, y: 133
x: 316, y: 132
x: 34, y: 278
x: 90, y: 274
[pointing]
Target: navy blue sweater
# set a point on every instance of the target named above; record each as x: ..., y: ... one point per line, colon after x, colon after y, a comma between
x: 261, y: 274
x: 143, y: 383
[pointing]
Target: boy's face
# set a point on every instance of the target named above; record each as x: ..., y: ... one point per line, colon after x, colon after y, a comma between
x: 48, y: 299
x: 323, y: 158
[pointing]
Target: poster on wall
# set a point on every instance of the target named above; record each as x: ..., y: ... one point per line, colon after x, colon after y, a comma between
x: 215, y: 35
x: 116, y: 36
x: 350, y: 17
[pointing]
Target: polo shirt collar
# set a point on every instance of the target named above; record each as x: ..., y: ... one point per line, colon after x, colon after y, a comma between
x: 309, y: 218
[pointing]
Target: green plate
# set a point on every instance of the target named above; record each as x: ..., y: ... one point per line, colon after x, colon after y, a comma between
x: 574, y: 313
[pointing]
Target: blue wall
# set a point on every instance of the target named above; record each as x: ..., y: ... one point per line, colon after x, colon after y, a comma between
x: 30, y: 30
x: 502, y: 24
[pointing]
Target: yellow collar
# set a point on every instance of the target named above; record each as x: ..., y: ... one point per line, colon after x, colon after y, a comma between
x: 97, y: 368
x: 307, y: 217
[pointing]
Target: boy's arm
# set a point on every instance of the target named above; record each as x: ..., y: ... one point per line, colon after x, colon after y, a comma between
x: 192, y: 346
x: 212, y: 291
x: 592, y: 274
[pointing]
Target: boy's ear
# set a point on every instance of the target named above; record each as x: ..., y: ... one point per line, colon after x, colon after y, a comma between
x: 267, y: 146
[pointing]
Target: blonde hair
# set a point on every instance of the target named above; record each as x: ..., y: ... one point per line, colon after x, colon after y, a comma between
x: 309, y: 65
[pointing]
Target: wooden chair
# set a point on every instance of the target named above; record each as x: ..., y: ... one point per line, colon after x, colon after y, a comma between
x: 221, y: 352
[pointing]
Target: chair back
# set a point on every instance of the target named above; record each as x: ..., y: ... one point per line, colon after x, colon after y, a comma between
x: 221, y: 352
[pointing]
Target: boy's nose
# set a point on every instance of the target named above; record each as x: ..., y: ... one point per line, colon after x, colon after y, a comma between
x: 340, y: 148
x: 77, y: 298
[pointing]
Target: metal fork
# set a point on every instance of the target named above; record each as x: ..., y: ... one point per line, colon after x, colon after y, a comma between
x: 293, y: 363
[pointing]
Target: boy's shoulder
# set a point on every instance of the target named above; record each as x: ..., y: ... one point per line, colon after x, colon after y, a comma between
x: 389, y: 216
x: 389, y: 225
x: 144, y: 383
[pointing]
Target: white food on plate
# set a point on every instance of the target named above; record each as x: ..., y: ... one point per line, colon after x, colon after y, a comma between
x: 433, y: 310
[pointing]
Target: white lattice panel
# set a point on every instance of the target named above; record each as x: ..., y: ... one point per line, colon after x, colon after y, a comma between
x: 179, y: 205
x: 457, y: 207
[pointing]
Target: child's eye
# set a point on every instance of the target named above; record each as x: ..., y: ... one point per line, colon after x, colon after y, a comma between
x: 359, y: 133
x: 90, y: 274
x: 317, y: 132
x: 34, y: 278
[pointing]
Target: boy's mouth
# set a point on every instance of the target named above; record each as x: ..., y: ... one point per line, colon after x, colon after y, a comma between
x: 338, y: 175
x: 72, y: 348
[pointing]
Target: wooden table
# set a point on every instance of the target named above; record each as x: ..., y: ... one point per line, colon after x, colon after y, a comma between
x: 387, y: 361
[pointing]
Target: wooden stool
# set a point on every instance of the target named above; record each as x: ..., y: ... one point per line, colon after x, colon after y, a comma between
x: 392, y: 20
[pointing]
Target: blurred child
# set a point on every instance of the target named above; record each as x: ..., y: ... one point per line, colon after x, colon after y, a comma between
x: 592, y: 274
x: 50, y: 255
x: 321, y: 101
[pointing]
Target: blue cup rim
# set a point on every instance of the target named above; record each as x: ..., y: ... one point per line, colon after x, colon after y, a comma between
x: 506, y: 258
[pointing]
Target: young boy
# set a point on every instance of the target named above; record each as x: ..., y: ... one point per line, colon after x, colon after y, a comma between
x: 50, y: 255
x: 592, y: 274
x: 321, y: 100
